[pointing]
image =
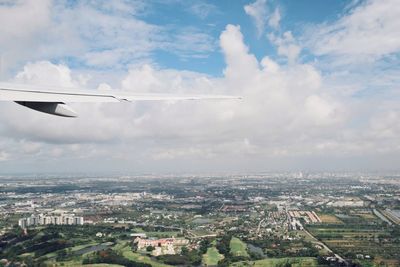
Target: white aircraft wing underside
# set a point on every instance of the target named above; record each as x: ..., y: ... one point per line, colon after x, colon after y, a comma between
x: 52, y: 100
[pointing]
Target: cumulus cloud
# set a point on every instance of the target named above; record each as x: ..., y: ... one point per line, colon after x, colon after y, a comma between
x: 45, y: 72
x: 286, y: 46
x: 292, y: 112
x: 279, y: 104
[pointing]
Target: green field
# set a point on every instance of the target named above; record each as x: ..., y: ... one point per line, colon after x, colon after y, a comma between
x: 238, y: 247
x: 212, y: 257
x: 294, y: 262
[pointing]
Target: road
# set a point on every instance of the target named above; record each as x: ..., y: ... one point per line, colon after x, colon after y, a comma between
x: 316, y: 241
x: 259, y: 226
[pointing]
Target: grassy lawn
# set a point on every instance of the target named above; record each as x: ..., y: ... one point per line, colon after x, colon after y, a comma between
x: 238, y: 247
x: 295, y: 262
x: 76, y: 248
x: 212, y: 257
x: 122, y: 247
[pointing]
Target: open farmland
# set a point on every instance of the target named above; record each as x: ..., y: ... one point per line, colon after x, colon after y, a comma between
x: 328, y: 218
x: 295, y: 262
x: 359, y: 240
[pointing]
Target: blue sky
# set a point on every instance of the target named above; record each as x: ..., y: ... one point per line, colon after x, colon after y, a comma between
x: 319, y: 80
x: 210, y: 18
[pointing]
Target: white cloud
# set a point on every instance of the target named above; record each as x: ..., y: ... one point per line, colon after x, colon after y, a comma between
x: 275, y: 19
x: 320, y: 110
x: 258, y: 11
x: 286, y: 46
x: 45, y: 72
x: 202, y: 9
x: 94, y: 33
x: 370, y: 30
x: 23, y: 20
x: 22, y: 24
x: 189, y: 42
x: 279, y: 102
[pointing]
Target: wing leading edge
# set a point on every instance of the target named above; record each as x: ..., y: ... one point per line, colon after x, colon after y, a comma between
x: 52, y: 99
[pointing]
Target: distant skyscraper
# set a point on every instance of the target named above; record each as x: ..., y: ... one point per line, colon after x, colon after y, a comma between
x: 23, y: 223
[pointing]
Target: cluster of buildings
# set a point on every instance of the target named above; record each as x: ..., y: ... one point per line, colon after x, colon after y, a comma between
x: 308, y: 216
x: 392, y: 215
x: 41, y: 219
x: 164, y: 246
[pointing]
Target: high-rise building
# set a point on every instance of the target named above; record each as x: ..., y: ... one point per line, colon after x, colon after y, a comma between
x: 23, y: 223
x: 78, y: 220
x: 45, y: 220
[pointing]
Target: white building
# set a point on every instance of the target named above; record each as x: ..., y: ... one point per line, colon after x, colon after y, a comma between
x: 46, y: 220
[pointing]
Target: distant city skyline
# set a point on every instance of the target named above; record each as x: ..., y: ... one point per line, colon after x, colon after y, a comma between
x: 319, y: 81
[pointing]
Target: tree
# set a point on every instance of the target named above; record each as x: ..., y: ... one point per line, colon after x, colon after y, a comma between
x: 184, y: 251
x: 204, y: 244
x: 150, y: 248
x: 61, y: 254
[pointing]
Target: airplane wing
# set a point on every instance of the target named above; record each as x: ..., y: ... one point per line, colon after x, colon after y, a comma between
x: 52, y: 99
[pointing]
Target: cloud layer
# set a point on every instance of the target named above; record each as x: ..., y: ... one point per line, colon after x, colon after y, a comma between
x: 294, y: 114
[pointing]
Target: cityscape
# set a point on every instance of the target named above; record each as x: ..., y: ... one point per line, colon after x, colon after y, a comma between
x: 199, y: 133
x: 267, y: 219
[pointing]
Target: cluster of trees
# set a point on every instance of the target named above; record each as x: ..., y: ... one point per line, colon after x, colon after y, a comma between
x: 47, y: 247
x: 204, y: 245
x: 278, y: 248
x: 187, y: 257
x: 223, y: 246
x: 282, y: 252
x: 112, y: 257
x: 15, y: 243
x: 328, y: 235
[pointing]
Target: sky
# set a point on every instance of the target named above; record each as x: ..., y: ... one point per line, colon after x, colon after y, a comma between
x: 319, y: 81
